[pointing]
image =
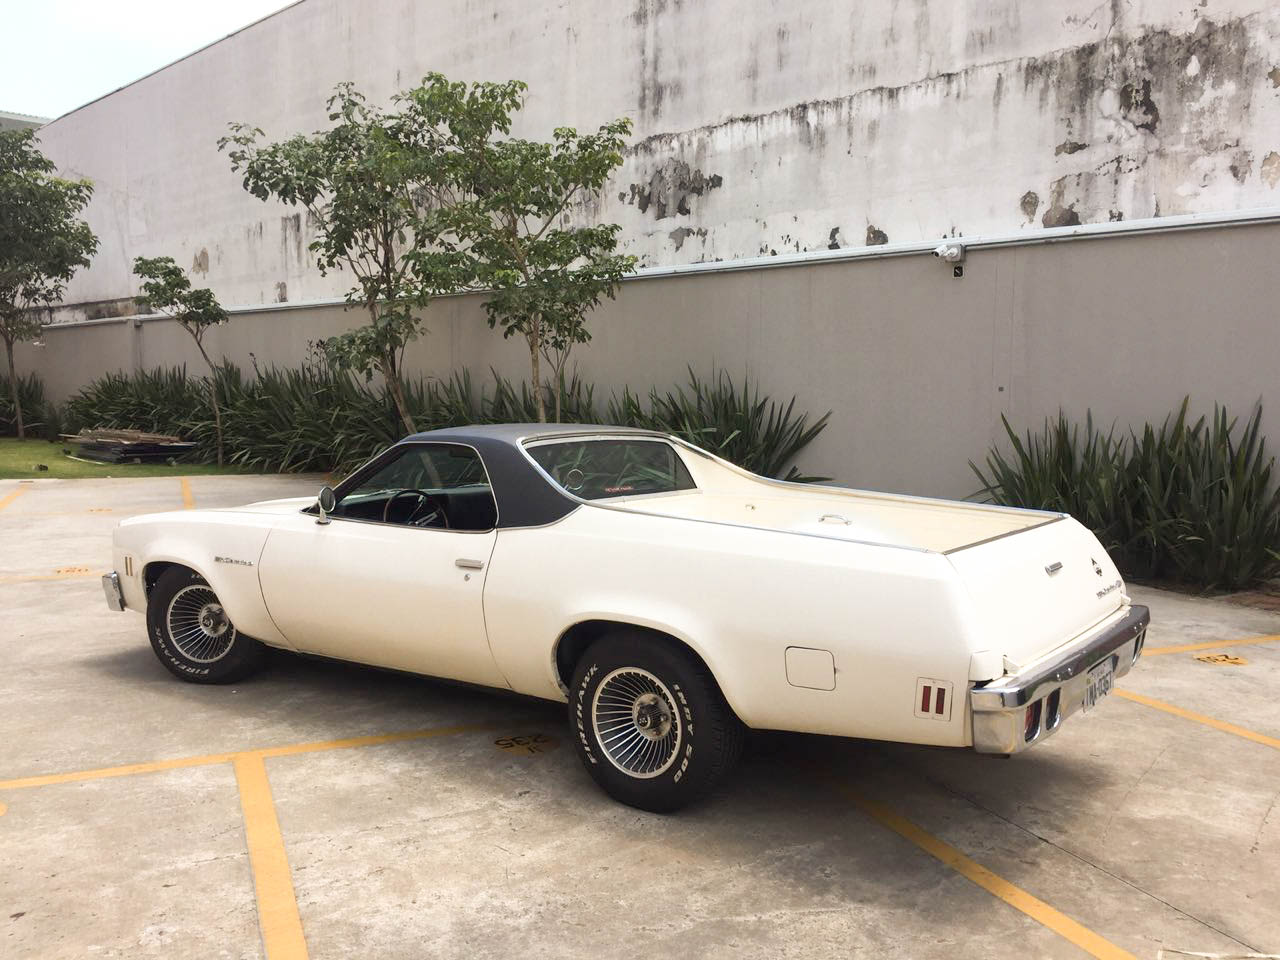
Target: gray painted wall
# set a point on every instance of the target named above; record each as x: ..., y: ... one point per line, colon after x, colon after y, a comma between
x: 916, y: 365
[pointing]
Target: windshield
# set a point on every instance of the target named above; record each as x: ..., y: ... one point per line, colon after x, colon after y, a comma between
x: 598, y: 469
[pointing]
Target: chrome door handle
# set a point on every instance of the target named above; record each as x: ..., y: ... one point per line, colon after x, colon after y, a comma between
x: 469, y: 564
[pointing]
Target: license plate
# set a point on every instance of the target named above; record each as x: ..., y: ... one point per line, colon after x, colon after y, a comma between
x: 1100, y: 680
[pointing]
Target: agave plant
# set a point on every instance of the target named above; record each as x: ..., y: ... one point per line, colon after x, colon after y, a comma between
x: 733, y: 422
x: 31, y: 396
x: 1193, y: 502
x: 316, y: 418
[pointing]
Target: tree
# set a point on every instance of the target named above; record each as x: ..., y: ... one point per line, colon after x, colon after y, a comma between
x: 543, y: 275
x: 42, y: 241
x: 373, y: 185
x: 167, y: 289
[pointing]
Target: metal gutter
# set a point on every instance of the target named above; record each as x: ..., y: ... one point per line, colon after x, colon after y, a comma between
x: 1086, y: 231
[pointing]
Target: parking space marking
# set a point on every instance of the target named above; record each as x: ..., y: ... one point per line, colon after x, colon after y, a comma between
x: 1222, y: 725
x: 997, y: 886
x: 8, y: 498
x: 278, y: 918
x: 126, y: 770
x: 1213, y: 645
x: 67, y: 573
x: 1030, y: 906
x: 288, y: 750
x: 188, y: 500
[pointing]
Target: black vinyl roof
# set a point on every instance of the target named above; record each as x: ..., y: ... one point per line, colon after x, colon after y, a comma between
x: 525, y: 497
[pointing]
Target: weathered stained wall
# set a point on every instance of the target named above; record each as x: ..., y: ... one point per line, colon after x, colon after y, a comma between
x: 760, y: 128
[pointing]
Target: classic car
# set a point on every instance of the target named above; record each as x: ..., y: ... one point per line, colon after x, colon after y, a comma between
x: 671, y: 599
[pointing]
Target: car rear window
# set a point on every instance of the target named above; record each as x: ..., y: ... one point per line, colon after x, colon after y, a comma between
x: 603, y: 468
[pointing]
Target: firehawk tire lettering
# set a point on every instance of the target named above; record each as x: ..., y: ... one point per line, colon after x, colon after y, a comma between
x: 717, y: 734
x: 245, y: 655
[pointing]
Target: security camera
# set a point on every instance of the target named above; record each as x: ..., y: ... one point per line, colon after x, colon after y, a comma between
x: 950, y: 252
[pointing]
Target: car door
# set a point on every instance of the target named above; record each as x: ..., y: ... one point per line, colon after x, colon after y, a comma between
x: 395, y: 577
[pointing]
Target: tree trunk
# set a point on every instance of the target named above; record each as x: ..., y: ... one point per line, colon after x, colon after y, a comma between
x: 534, y: 336
x: 537, y: 383
x: 13, y: 390
x: 392, y: 376
x: 213, y: 397
x: 559, y: 388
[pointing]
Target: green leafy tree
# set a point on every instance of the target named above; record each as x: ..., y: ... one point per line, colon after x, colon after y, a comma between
x: 543, y: 275
x: 373, y: 185
x: 166, y: 289
x: 42, y: 241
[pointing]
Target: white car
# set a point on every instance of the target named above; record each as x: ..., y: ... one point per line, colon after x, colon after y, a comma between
x: 671, y: 598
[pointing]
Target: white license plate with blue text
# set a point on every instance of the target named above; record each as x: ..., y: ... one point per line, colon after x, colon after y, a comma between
x: 1100, y: 680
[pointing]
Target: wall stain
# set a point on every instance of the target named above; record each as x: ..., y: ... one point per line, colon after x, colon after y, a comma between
x: 680, y: 234
x: 1137, y: 107
x: 875, y: 236
x: 1271, y: 169
x: 1069, y: 147
x: 669, y: 188
x: 282, y: 292
x: 200, y: 264
x: 1029, y: 204
x: 1241, y: 164
x: 833, y: 239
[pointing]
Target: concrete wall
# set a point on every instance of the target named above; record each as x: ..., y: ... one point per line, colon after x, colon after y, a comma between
x: 760, y: 128
x: 917, y: 366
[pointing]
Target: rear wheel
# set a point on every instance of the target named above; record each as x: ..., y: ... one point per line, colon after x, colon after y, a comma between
x: 192, y: 635
x: 649, y: 722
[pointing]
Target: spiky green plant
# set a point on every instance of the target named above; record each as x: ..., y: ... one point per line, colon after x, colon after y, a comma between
x: 30, y: 397
x: 734, y: 422
x: 1192, y: 502
x: 316, y: 418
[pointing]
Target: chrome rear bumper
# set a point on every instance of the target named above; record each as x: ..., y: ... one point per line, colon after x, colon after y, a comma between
x: 1053, y: 689
x: 111, y: 587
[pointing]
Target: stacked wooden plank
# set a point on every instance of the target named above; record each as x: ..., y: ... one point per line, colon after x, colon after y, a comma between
x: 127, y: 446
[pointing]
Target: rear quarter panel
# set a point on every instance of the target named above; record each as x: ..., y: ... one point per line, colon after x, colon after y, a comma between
x: 194, y: 539
x: 739, y: 597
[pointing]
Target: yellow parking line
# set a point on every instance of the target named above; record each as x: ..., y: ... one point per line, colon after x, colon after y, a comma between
x: 1191, y: 647
x: 997, y: 886
x: 278, y: 917
x: 283, y: 751
x: 1222, y: 725
x: 8, y: 498
x: 126, y: 770
x: 35, y: 577
x: 188, y: 501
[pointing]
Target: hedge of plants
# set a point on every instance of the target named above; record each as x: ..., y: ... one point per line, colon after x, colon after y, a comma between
x: 35, y: 413
x: 313, y: 418
x: 1192, y: 502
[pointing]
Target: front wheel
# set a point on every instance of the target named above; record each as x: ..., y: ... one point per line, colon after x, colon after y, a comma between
x: 193, y: 636
x: 649, y: 722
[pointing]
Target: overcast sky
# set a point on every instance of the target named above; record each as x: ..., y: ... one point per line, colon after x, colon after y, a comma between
x: 60, y: 54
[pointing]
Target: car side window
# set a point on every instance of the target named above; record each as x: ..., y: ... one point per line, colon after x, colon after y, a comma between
x: 441, y: 485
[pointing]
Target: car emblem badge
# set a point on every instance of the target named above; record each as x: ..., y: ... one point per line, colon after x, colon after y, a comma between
x: 1097, y: 567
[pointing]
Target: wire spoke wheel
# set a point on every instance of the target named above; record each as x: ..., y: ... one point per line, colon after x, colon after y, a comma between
x: 636, y: 722
x: 198, y: 626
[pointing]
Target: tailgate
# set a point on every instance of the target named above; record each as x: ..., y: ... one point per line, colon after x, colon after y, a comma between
x: 1036, y: 589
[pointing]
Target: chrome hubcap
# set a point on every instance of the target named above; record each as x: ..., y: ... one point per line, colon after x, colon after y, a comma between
x: 198, y: 626
x: 636, y: 722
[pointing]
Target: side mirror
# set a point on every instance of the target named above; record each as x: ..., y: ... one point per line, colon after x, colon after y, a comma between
x: 326, y: 501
